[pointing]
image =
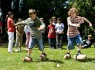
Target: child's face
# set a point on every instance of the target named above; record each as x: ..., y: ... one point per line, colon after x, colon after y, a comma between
x: 32, y: 15
x: 51, y: 22
x: 73, y: 14
x: 89, y: 38
x: 58, y: 21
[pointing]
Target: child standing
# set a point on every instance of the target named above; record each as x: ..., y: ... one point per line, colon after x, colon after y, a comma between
x: 11, y: 30
x: 59, y: 32
x: 52, y: 34
x: 19, y: 35
x: 73, y: 35
x: 43, y: 31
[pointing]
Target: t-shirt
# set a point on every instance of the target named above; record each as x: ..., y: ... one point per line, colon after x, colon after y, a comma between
x: 26, y: 29
x: 88, y: 42
x: 59, y: 27
x: 43, y: 31
x: 51, y: 31
x: 34, y: 24
x: 10, y: 26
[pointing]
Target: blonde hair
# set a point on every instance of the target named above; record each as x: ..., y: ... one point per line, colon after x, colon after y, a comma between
x: 89, y: 36
x: 72, y: 10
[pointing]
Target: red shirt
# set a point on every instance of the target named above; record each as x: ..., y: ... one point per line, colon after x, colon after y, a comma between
x: 0, y: 26
x: 10, y: 25
x: 51, y: 32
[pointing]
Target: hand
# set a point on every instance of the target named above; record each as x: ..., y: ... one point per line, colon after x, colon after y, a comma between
x: 78, y: 25
x: 90, y: 24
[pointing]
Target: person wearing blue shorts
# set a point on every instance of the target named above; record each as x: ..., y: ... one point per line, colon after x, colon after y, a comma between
x: 73, y: 35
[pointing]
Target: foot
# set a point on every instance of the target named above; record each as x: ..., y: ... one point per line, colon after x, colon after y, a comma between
x: 27, y: 59
x: 43, y: 56
x: 16, y: 50
x: 67, y: 56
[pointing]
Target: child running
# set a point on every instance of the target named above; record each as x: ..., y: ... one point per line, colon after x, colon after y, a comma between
x: 73, y: 35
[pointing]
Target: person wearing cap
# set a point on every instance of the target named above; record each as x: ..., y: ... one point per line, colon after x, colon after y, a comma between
x: 34, y: 24
x: 59, y: 32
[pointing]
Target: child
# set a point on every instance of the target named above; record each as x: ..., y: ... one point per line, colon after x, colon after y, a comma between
x: 87, y: 43
x: 35, y: 32
x: 43, y: 31
x: 19, y: 35
x: 52, y: 34
x: 74, y: 21
x: 54, y: 20
x: 11, y: 30
x: 27, y: 33
x: 59, y: 32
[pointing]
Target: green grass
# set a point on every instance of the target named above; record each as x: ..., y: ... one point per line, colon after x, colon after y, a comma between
x: 13, y: 61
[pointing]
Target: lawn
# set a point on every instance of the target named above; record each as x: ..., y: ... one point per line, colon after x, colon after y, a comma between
x: 13, y: 61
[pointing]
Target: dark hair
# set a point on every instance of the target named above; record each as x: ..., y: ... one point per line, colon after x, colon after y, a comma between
x: 58, y: 18
x: 9, y: 13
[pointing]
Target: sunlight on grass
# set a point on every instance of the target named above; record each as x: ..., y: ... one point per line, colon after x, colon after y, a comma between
x: 13, y: 61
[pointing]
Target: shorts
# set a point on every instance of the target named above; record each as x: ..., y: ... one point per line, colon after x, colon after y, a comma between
x: 71, y: 41
x: 39, y: 41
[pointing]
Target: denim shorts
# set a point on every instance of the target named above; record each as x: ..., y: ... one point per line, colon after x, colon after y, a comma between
x: 71, y: 41
x: 39, y: 41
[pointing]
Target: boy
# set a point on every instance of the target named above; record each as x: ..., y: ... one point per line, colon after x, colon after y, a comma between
x: 52, y: 34
x: 87, y: 43
x: 34, y: 24
x: 59, y: 32
x: 19, y: 35
x: 43, y: 31
x: 73, y: 34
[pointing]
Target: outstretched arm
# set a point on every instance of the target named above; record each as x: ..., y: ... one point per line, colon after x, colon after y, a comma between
x: 90, y: 24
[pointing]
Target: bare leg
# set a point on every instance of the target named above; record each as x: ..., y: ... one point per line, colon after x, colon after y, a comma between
x: 29, y: 52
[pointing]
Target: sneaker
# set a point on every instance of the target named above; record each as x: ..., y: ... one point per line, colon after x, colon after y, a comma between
x: 43, y: 56
x: 67, y: 56
x: 10, y: 52
x: 16, y: 50
x: 27, y: 59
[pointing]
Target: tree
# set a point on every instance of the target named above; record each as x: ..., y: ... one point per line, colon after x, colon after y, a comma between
x: 87, y: 9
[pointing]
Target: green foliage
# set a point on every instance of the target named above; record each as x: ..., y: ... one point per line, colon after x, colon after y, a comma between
x: 87, y: 9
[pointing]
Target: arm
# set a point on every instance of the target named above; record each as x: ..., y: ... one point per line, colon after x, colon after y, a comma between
x: 90, y: 24
x: 17, y: 31
x: 70, y: 23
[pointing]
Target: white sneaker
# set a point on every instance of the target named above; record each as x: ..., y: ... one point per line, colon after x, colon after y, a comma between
x: 16, y: 50
x: 26, y: 49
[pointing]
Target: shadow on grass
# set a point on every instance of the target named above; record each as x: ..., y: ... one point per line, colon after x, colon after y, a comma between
x: 54, y: 61
x: 91, y: 60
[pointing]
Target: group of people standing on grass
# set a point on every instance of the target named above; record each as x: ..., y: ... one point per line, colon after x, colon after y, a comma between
x: 34, y: 29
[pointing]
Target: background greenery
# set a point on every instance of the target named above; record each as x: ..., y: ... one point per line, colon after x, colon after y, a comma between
x: 49, y: 8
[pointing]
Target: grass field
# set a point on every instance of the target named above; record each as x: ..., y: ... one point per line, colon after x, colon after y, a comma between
x: 13, y: 61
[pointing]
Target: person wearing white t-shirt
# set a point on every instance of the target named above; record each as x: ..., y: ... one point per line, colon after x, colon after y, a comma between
x: 27, y: 33
x: 59, y: 32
